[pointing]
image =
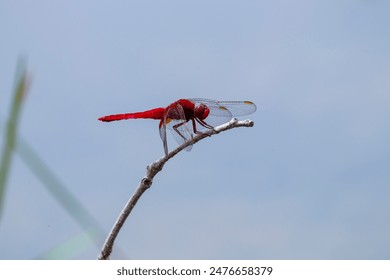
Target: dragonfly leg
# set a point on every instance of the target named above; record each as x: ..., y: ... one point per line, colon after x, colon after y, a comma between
x: 202, y: 123
x: 194, y: 127
x: 178, y: 132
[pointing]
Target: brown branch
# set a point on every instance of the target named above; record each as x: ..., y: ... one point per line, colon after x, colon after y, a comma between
x: 147, y: 181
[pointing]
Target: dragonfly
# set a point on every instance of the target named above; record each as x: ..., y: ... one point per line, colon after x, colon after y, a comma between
x: 188, y: 117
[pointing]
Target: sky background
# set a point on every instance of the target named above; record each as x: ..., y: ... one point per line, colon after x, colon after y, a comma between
x: 310, y: 180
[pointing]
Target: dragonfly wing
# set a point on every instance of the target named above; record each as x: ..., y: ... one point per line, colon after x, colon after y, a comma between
x: 163, y: 135
x: 218, y: 113
x: 223, y: 111
x: 237, y: 108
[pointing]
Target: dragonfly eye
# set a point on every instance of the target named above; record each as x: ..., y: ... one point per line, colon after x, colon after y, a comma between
x: 202, y: 111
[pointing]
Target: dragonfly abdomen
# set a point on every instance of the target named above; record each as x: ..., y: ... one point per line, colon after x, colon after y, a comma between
x: 156, y: 114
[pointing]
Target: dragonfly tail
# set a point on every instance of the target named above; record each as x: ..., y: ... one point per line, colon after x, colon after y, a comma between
x: 156, y: 114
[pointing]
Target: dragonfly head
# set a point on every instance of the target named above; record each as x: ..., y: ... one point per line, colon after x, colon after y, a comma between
x: 202, y: 111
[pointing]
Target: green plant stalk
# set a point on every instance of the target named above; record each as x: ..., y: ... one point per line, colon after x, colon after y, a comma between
x: 63, y: 196
x: 10, y: 134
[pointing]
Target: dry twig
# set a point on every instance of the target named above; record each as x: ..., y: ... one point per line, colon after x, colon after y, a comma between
x: 147, y: 181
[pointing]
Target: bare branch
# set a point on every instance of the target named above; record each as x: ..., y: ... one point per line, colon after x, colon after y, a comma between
x: 147, y: 181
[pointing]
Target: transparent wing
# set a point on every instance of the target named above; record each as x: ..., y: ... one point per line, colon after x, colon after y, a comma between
x: 218, y: 115
x: 223, y: 111
x: 236, y: 108
x: 163, y: 135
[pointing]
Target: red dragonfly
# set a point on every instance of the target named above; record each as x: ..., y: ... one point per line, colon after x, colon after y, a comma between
x: 186, y: 117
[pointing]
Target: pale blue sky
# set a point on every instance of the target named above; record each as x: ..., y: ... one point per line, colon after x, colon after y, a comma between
x: 309, y: 181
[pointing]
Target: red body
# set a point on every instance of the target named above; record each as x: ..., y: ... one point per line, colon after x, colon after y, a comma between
x: 156, y: 114
x: 171, y: 112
